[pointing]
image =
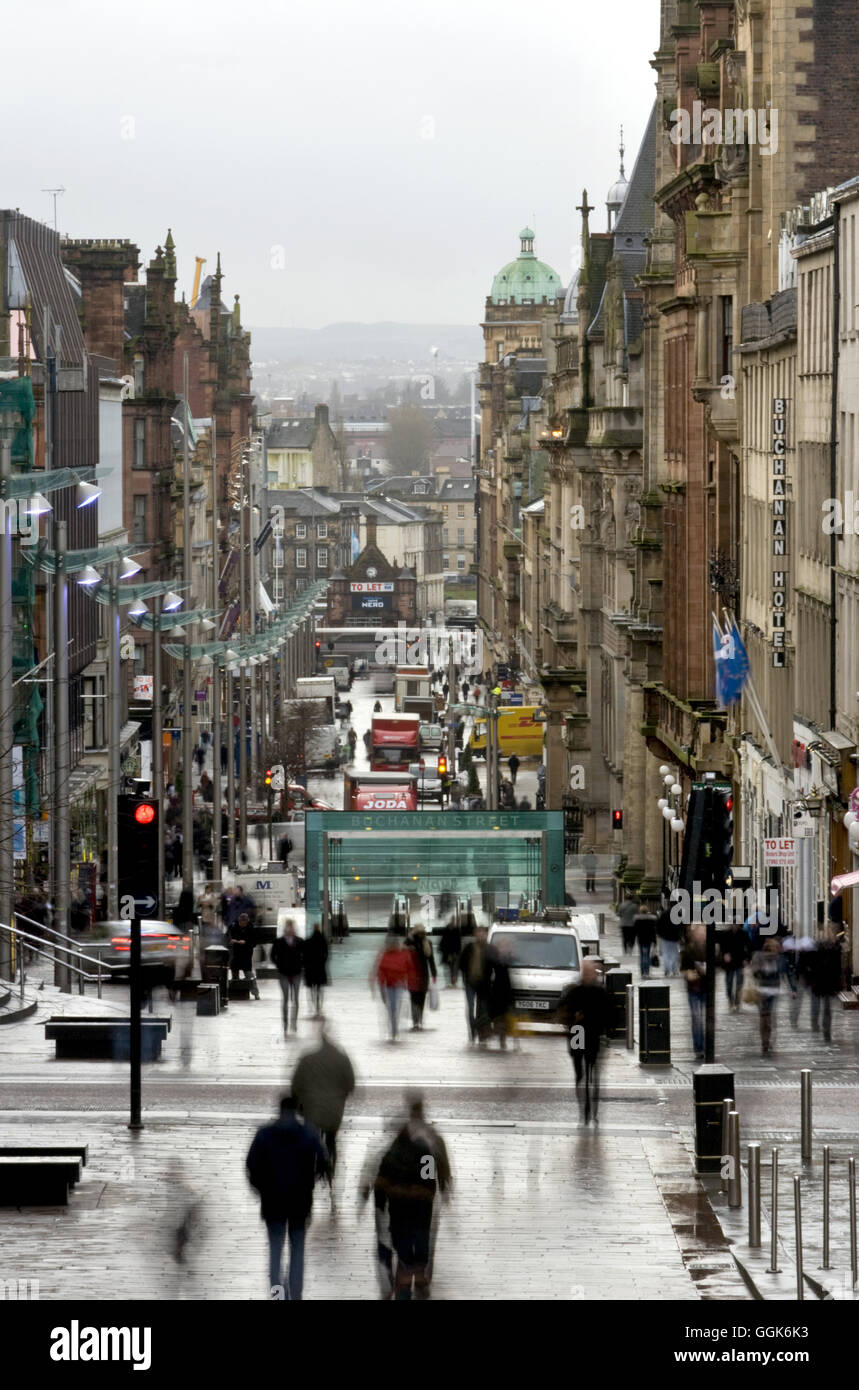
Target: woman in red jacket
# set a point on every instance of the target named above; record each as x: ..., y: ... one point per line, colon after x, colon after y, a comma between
x: 391, y: 972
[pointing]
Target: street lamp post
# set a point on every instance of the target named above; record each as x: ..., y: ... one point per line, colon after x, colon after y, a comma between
x: 157, y: 783
x: 62, y: 752
x: 7, y: 862
x: 114, y: 740
x: 187, y: 693
x: 231, y: 774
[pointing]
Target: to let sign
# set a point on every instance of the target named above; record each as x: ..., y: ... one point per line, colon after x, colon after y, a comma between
x: 779, y: 854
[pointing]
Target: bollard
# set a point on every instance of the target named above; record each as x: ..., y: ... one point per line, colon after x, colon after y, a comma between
x: 805, y: 1106
x: 727, y: 1107
x: 774, y: 1269
x: 851, y: 1178
x: 827, y: 1156
x: 754, y: 1163
x: 735, y: 1181
x: 630, y: 1017
x: 797, y: 1216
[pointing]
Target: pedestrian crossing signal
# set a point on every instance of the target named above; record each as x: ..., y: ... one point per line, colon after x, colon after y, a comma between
x: 617, y: 820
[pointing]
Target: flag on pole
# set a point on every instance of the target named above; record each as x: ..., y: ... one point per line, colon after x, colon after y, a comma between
x: 732, y: 663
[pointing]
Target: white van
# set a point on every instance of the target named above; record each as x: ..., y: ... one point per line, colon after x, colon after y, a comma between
x: 545, y: 958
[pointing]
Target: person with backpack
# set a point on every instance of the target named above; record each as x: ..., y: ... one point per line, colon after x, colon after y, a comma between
x: 287, y: 955
x: 283, y: 1164
x: 413, y: 1170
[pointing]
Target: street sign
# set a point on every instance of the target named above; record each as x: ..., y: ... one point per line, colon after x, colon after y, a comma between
x: 515, y: 698
x: 144, y: 907
x: 780, y: 854
x: 278, y: 777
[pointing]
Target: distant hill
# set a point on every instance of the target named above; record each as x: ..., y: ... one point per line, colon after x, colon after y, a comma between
x: 364, y: 342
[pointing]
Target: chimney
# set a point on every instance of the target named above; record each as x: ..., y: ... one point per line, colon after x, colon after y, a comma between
x: 103, y: 268
x: 371, y: 528
x: 321, y: 418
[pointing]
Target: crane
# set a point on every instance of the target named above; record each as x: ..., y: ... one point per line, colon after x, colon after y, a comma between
x: 195, y: 293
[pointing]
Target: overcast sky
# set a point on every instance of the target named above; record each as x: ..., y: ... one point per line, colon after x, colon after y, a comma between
x: 392, y: 148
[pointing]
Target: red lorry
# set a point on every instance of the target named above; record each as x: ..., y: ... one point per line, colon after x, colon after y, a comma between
x: 394, y: 742
x: 379, y: 791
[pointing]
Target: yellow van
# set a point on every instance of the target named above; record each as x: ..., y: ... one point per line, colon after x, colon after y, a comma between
x: 520, y: 731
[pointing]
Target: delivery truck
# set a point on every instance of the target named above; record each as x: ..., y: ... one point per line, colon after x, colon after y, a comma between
x: 379, y: 791
x: 394, y: 742
x: 520, y: 731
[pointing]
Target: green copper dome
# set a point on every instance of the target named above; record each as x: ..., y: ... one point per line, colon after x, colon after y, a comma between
x: 526, y: 279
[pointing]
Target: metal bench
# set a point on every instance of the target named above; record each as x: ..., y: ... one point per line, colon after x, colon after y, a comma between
x: 38, y: 1180
x: 45, y: 1151
x: 99, y: 1038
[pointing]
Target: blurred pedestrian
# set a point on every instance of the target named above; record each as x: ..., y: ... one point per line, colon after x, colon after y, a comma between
x: 207, y: 909
x: 584, y: 1011
x: 499, y: 993
x: 315, y: 967
x: 645, y: 935
x: 287, y: 956
x: 474, y: 968
x: 444, y: 689
x: 735, y: 950
x: 513, y: 764
x: 590, y: 867
x: 243, y: 940
x: 391, y: 973
x: 223, y: 760
x: 668, y: 933
x: 377, y: 708
x: 283, y: 1164
x: 352, y: 739
x: 412, y: 1170
x: 178, y: 852
x: 284, y: 849
x: 797, y: 956
x: 508, y: 796
x: 322, y: 1083
x: 450, y: 949
x: 767, y: 969
x: 826, y: 980
x: 423, y: 969
x: 693, y: 967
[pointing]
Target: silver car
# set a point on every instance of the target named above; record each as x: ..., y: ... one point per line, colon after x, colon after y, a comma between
x: 160, y: 943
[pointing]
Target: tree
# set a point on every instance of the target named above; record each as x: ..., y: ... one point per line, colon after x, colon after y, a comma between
x: 301, y: 718
x: 409, y: 440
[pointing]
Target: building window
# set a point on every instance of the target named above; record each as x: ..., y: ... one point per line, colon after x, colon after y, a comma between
x: 301, y: 559
x: 444, y: 535
x: 322, y: 530
x: 300, y: 585
x: 445, y: 562
x: 139, y: 535
x: 139, y: 444
x: 460, y: 535
x: 94, y: 712
x: 138, y: 377
x: 444, y: 508
x: 300, y: 531
x: 322, y: 558
x: 727, y: 345
x: 460, y: 562
x: 460, y: 509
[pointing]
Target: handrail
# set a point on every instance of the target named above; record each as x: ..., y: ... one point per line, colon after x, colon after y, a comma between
x: 30, y: 940
x: 63, y: 936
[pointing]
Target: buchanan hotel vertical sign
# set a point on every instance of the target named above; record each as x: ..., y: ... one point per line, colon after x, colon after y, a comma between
x: 780, y: 538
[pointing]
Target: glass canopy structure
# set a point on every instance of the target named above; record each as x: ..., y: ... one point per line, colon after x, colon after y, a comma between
x: 366, y: 859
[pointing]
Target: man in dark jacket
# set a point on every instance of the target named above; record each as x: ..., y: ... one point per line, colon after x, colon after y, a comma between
x: 500, y: 992
x: 243, y: 941
x: 826, y: 978
x: 412, y: 1170
x: 283, y: 1163
x: 513, y: 764
x: 584, y: 1009
x: 645, y: 935
x: 315, y: 967
x: 474, y: 968
x: 423, y: 967
x: 323, y: 1082
x: 287, y: 955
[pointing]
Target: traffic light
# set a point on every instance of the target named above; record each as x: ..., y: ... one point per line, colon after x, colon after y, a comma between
x: 442, y: 767
x: 137, y: 842
x: 268, y: 777
x: 331, y: 646
x: 318, y: 645
x: 722, y: 836
x: 617, y: 820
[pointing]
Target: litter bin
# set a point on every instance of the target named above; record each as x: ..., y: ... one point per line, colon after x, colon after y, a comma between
x: 616, y: 982
x: 711, y: 1084
x: 216, y: 961
x: 654, y: 1024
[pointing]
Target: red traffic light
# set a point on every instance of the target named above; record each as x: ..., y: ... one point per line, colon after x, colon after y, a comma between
x: 317, y: 645
x: 617, y: 820
x: 729, y: 803
x: 442, y: 767
x: 144, y: 815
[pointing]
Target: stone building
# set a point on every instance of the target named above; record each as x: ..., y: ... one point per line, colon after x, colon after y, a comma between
x: 373, y: 591
x: 303, y: 452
